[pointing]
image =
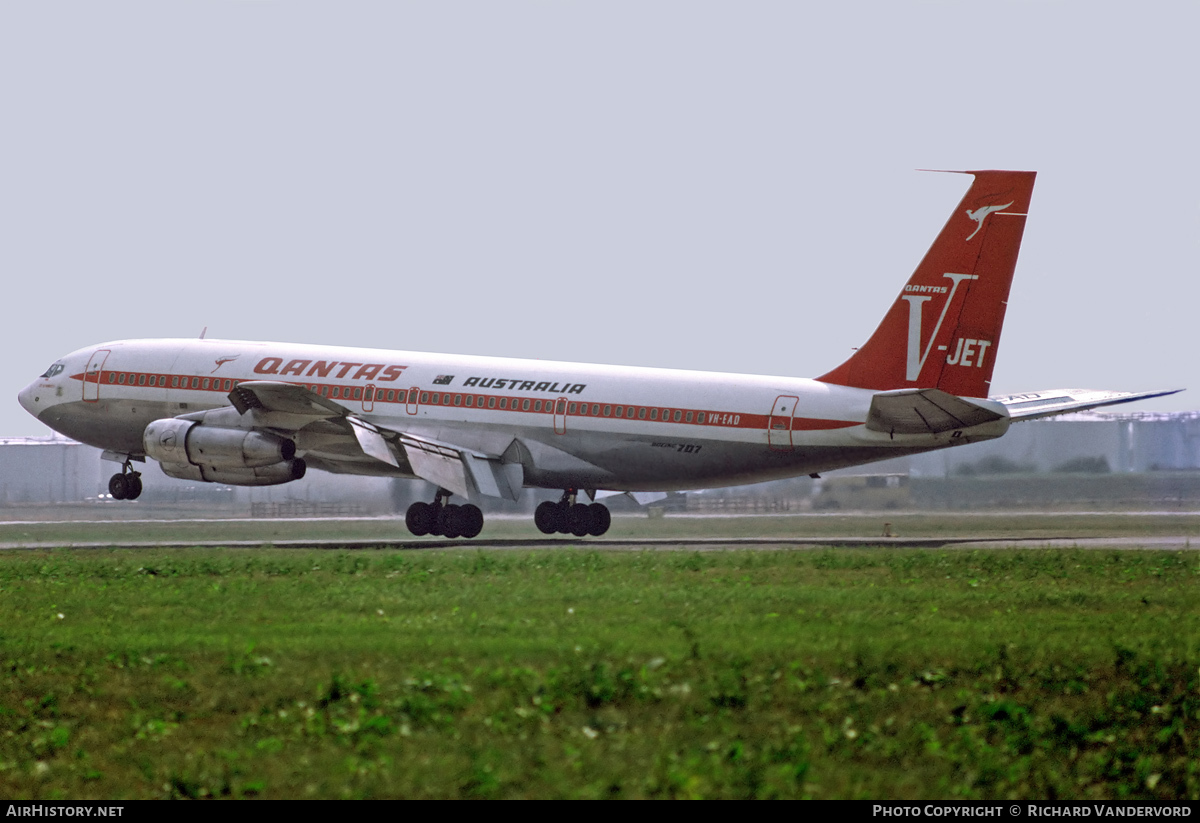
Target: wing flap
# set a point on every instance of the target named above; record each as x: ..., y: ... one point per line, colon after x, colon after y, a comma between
x: 289, y: 406
x: 1033, y: 405
x: 372, y: 443
x: 925, y: 411
x: 440, y: 465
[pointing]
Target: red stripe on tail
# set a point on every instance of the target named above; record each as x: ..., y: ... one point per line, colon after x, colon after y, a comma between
x: 943, y: 331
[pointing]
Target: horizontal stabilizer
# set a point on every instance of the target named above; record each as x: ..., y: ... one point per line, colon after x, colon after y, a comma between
x: 925, y: 411
x: 1032, y: 405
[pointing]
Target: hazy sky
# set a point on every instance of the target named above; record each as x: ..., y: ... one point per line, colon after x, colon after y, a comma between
x: 722, y: 186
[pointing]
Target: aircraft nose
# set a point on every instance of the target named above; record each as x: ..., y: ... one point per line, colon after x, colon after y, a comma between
x: 26, y: 397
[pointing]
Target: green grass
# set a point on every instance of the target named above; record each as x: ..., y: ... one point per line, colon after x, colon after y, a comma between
x: 576, y: 673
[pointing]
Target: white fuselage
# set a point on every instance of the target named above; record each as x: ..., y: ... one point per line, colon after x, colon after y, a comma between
x: 571, y: 425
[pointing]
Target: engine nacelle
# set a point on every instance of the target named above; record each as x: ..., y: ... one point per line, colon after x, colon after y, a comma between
x: 284, y: 472
x: 183, y: 442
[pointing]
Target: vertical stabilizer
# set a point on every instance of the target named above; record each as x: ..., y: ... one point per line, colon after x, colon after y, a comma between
x: 943, y: 331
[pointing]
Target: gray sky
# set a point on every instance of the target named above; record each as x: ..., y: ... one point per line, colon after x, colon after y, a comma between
x: 724, y: 186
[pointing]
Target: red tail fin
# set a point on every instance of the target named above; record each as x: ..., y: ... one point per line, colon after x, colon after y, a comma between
x: 944, y: 328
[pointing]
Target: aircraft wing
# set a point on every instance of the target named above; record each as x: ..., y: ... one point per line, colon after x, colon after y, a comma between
x: 1033, y: 405
x: 335, y: 439
x: 926, y: 411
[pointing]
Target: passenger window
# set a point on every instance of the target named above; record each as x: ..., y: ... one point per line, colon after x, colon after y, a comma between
x: 700, y: 417
x: 491, y: 402
x: 204, y: 385
x: 121, y: 378
x: 641, y: 414
x: 654, y: 414
x: 504, y: 402
x: 689, y: 418
x: 424, y: 397
x: 525, y: 404
x: 571, y: 409
x: 607, y: 411
x: 195, y: 382
x: 562, y: 407
x: 153, y: 380
x: 112, y: 377
x: 470, y: 400
x: 678, y: 415
x: 537, y: 405
x: 620, y: 411
x: 337, y: 392
x: 228, y: 385
x: 595, y: 410
x: 458, y: 399
x: 358, y: 394
x: 175, y: 382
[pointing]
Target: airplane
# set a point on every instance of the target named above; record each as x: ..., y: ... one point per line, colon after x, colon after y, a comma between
x: 258, y: 413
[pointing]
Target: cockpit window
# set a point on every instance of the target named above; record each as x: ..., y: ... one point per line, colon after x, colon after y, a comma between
x: 54, y: 370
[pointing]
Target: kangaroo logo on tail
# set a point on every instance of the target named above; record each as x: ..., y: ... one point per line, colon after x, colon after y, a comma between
x: 982, y: 212
x: 943, y: 331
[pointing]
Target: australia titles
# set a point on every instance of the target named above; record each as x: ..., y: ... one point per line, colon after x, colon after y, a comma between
x: 508, y: 384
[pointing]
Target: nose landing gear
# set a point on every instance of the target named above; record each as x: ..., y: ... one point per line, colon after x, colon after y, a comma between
x: 443, y: 519
x: 568, y: 517
x: 127, y: 485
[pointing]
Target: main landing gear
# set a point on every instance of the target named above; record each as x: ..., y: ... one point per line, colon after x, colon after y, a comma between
x: 443, y: 519
x: 568, y: 517
x: 127, y: 485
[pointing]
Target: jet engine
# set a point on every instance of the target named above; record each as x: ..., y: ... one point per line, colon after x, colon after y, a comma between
x: 238, y: 457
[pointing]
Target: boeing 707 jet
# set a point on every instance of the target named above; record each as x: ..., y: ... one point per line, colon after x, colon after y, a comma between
x: 259, y: 414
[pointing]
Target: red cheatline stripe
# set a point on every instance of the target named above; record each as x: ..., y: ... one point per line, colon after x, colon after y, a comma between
x: 516, y: 403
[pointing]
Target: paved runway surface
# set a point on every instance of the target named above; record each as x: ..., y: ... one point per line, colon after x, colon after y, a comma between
x: 686, y: 543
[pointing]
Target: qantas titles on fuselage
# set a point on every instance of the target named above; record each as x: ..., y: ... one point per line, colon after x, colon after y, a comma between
x: 270, y: 410
x: 324, y: 368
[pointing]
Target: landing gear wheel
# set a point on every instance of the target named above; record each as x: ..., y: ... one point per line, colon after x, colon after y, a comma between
x: 470, y: 520
x: 450, y: 522
x: 547, y: 517
x: 601, y: 519
x: 118, y: 487
x: 578, y: 520
x: 419, y: 518
x: 133, y: 486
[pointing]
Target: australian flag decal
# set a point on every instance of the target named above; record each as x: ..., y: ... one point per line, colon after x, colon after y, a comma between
x: 443, y: 380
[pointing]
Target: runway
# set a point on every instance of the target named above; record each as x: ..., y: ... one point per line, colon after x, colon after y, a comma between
x: 1171, y: 543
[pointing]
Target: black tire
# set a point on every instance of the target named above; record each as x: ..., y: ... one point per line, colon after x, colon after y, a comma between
x: 601, y: 519
x: 451, y: 519
x: 470, y: 520
x: 133, y: 483
x: 547, y: 517
x: 419, y: 518
x: 118, y: 487
x: 579, y: 520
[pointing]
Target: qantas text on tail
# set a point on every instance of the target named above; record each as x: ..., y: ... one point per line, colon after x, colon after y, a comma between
x: 250, y: 413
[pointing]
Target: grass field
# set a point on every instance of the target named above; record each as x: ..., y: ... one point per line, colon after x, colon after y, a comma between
x: 578, y: 673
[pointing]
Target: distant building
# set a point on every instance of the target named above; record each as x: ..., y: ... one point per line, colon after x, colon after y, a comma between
x: 57, y: 470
